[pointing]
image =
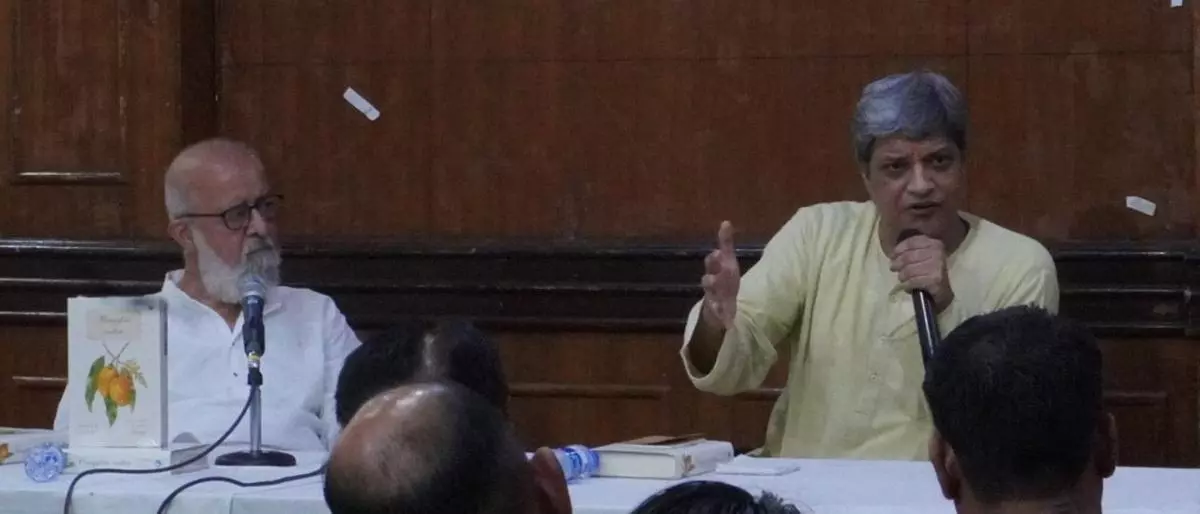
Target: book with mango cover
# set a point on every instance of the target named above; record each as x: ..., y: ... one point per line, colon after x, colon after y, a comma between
x: 116, y: 371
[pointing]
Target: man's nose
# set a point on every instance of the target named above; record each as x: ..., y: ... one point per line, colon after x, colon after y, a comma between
x: 257, y: 225
x: 920, y: 183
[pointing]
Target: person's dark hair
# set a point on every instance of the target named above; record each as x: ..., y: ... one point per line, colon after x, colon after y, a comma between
x: 1017, y: 394
x: 458, y: 457
x: 705, y: 497
x: 474, y: 361
x: 413, y: 351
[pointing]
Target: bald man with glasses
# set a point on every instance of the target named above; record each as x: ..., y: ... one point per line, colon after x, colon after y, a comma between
x: 222, y: 215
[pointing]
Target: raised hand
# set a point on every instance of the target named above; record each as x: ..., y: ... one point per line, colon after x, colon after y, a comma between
x: 722, y: 278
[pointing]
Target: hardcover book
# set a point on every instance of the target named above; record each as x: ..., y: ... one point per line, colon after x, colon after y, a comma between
x: 116, y: 371
x: 663, y: 457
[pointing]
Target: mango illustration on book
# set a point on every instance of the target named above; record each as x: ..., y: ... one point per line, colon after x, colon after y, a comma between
x: 4, y: 453
x: 114, y: 379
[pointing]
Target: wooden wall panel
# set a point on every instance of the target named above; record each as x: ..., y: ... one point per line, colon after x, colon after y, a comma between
x: 654, y: 120
x: 366, y: 179
x: 1150, y: 395
x: 68, y: 122
x: 1088, y: 129
x: 284, y: 67
x: 1079, y: 27
x: 704, y: 29
x: 91, y: 113
x: 603, y: 387
x: 501, y: 165
x: 33, y: 358
x: 63, y: 122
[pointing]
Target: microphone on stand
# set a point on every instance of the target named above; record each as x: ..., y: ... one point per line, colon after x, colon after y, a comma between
x: 253, y: 290
x: 926, y: 317
x: 254, y: 293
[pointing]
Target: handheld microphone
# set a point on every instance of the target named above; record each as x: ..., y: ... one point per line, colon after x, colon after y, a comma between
x: 253, y: 290
x: 927, y: 329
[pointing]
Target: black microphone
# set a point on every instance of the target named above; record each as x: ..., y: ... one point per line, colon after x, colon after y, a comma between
x: 927, y: 329
x: 254, y: 293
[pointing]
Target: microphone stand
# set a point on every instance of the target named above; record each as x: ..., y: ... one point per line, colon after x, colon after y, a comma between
x: 252, y: 334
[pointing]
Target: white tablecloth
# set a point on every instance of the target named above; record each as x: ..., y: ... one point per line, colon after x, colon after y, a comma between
x: 824, y: 486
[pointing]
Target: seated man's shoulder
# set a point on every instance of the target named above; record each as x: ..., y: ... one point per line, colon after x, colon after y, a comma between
x: 836, y: 211
x: 303, y: 299
x: 834, y: 217
x: 1014, y: 248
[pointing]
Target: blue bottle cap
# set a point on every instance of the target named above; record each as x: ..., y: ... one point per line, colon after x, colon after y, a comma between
x: 45, y: 462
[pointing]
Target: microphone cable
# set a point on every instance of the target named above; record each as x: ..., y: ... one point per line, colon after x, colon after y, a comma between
x: 151, y: 471
x: 162, y: 507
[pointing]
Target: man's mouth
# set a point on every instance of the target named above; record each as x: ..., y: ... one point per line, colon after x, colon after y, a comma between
x: 923, y: 207
x: 261, y: 249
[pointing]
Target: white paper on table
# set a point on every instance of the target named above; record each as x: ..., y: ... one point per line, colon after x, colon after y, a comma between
x: 746, y: 465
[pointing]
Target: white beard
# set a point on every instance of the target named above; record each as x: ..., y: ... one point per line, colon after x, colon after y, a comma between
x: 259, y: 256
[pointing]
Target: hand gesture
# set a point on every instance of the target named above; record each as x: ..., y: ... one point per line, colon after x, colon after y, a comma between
x: 722, y: 278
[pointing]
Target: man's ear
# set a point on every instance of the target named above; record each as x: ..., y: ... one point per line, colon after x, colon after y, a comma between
x: 181, y: 233
x: 1106, y: 446
x: 550, y: 484
x: 945, y: 466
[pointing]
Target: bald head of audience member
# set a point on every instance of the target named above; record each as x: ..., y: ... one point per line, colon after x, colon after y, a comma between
x: 434, y: 448
x: 707, y: 497
x: 222, y: 214
x: 1020, y: 425
x: 413, y: 351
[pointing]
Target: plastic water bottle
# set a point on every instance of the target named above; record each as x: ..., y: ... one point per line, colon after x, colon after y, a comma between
x: 577, y: 461
x: 45, y: 463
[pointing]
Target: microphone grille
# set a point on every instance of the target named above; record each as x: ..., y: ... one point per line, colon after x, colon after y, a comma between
x: 252, y: 284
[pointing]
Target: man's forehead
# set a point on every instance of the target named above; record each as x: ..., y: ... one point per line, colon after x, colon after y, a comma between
x: 219, y: 185
x: 903, y: 147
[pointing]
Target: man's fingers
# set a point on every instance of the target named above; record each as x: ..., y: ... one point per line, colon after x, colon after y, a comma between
x: 916, y: 256
x: 915, y: 243
x: 712, y: 262
x: 707, y: 282
x: 915, y: 278
x: 905, y: 260
x: 725, y: 239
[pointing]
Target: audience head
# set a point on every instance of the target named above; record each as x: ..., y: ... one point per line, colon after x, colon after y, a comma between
x: 910, y: 141
x: 1016, y: 398
x: 413, y: 351
x: 437, y: 447
x: 704, y: 497
x: 222, y: 213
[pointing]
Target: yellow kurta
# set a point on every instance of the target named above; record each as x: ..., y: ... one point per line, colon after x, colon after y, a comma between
x: 823, y: 292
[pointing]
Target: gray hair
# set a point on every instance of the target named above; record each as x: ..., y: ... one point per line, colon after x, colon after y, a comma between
x: 918, y: 105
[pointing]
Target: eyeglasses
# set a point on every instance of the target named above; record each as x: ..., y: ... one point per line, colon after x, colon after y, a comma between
x: 237, y: 217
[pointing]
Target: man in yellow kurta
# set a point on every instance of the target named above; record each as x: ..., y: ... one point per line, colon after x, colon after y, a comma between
x: 833, y: 288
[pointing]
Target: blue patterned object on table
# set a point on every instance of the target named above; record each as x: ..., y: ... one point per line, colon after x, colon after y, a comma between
x: 45, y: 462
